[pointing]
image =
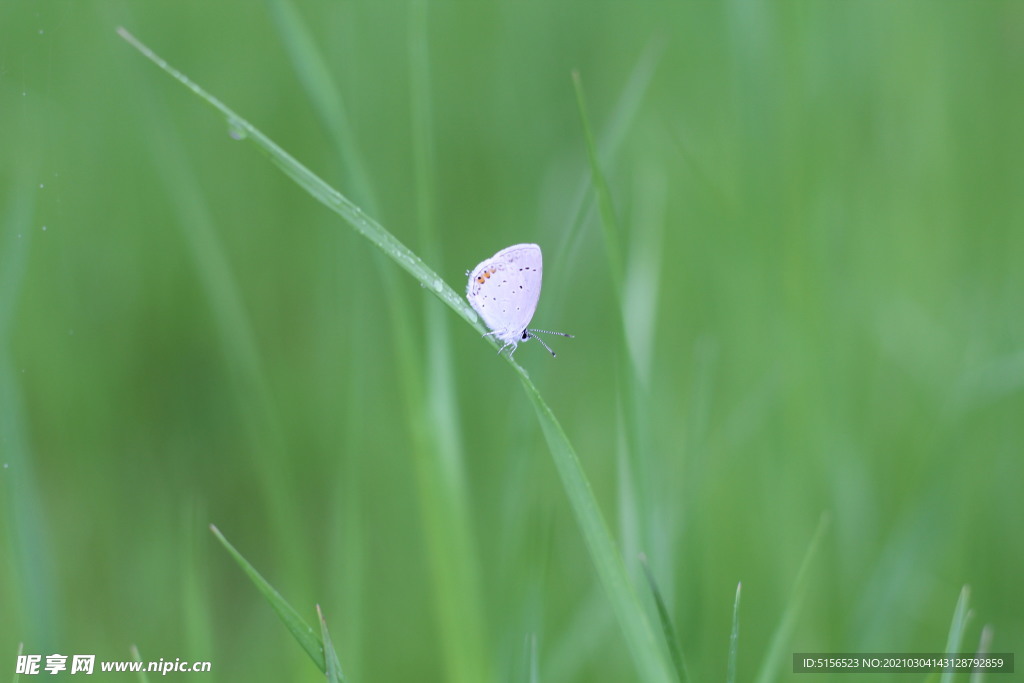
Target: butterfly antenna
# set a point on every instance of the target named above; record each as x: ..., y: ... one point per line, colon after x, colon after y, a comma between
x: 533, y: 336
x: 560, y: 334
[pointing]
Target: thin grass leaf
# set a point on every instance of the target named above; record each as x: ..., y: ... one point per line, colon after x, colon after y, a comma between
x: 734, y: 637
x: 535, y: 668
x: 21, y: 651
x: 770, y: 666
x: 314, y: 74
x: 619, y: 121
x: 333, y: 671
x: 422, y: 129
x: 984, y: 647
x: 668, y: 630
x: 611, y: 571
x: 137, y: 657
x: 613, y: 246
x: 961, y: 615
x: 300, y: 630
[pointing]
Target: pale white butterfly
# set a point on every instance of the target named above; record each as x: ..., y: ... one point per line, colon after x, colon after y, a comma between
x: 504, y: 290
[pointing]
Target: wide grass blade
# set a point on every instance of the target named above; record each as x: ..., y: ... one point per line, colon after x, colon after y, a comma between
x: 300, y: 630
x: 610, y: 568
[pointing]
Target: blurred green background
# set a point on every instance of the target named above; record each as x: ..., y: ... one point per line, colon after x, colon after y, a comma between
x: 820, y: 206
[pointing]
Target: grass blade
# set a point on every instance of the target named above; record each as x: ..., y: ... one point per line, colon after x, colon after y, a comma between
x: 668, y: 630
x: 137, y: 657
x: 314, y: 74
x: 333, y: 671
x: 21, y: 651
x: 961, y: 614
x: 984, y: 647
x: 620, y: 120
x: 770, y: 665
x: 300, y: 630
x: 734, y: 637
x: 609, y: 223
x: 532, y: 666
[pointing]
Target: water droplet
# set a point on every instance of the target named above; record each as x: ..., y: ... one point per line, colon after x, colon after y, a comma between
x: 41, y: 186
x: 438, y: 285
x: 44, y: 227
x: 237, y: 130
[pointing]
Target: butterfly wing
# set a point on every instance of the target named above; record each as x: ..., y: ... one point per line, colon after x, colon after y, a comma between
x: 505, y: 288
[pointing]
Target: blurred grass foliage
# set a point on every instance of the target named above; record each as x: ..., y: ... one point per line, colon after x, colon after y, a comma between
x: 819, y: 210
